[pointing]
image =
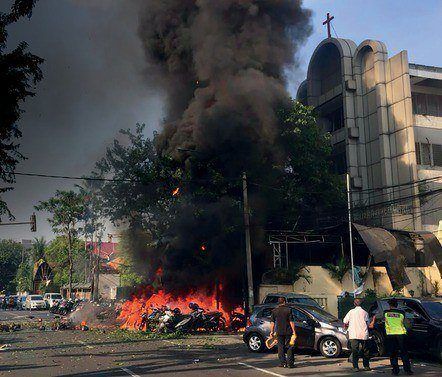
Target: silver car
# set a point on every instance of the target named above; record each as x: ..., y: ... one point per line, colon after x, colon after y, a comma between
x: 315, y: 329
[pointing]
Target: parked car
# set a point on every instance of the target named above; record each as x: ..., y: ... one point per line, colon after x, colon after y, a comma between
x: 52, y: 298
x: 315, y: 328
x: 21, y: 303
x: 425, y: 316
x: 35, y: 302
x: 11, y: 302
x: 295, y: 298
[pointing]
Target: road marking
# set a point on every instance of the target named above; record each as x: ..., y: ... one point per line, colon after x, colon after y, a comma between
x: 128, y: 371
x: 261, y: 370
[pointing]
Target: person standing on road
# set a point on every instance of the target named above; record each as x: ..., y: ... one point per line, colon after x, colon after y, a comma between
x: 357, y: 322
x: 282, y: 320
x: 396, y: 332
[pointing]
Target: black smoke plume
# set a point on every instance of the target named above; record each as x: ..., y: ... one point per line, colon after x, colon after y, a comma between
x: 221, y: 65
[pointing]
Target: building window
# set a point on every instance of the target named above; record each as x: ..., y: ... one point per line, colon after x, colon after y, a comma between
x: 336, y: 119
x: 339, y: 158
x: 429, y: 154
x: 427, y: 104
x: 437, y: 155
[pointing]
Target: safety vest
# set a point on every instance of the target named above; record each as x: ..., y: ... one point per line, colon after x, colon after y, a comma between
x: 394, y: 323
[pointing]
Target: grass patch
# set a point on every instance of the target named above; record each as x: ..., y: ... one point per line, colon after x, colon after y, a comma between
x: 128, y: 335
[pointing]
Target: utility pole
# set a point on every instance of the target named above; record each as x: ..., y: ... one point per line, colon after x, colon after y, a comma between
x: 350, y: 232
x: 251, y: 299
x: 97, y: 272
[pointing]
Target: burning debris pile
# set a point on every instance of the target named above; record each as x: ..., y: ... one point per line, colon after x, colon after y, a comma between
x: 162, y: 313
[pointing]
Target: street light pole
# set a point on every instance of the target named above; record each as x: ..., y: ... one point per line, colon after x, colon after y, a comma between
x: 350, y: 232
x: 251, y: 299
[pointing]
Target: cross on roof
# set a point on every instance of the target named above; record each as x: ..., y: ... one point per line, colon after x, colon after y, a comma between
x: 328, y: 22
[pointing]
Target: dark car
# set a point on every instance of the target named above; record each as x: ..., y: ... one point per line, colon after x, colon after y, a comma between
x: 315, y: 328
x: 294, y: 298
x: 425, y: 317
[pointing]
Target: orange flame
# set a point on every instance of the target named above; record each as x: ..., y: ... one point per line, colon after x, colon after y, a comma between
x: 145, y: 301
x: 176, y: 191
x: 203, y: 247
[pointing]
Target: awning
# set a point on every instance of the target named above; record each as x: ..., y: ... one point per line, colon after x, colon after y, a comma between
x: 397, y: 249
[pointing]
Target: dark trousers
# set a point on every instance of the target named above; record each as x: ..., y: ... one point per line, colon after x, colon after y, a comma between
x: 283, y: 347
x: 396, y: 344
x: 359, y: 347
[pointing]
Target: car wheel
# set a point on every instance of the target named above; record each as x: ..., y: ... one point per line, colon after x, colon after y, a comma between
x: 379, y: 346
x: 330, y: 347
x: 255, y: 343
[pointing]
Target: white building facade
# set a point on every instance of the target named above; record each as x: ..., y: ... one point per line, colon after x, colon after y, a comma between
x: 385, y: 119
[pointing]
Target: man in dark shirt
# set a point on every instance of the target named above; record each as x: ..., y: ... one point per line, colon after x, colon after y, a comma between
x: 283, y: 321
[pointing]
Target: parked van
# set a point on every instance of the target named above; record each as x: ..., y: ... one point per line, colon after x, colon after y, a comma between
x: 52, y: 298
x: 35, y: 302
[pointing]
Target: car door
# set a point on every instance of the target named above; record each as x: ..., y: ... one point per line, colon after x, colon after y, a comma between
x: 263, y: 321
x: 419, y: 333
x: 305, y: 330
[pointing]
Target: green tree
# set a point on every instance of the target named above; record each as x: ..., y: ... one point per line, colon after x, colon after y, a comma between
x: 19, y: 73
x: 23, y: 278
x: 10, y: 258
x: 338, y: 271
x: 57, y: 256
x: 67, y: 210
x: 38, y: 248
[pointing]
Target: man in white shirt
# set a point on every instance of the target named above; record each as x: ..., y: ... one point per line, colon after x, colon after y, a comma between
x: 357, y: 323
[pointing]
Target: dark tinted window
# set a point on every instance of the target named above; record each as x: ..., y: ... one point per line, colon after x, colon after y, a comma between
x: 322, y: 315
x: 299, y: 316
x: 271, y: 300
x: 415, y: 307
x: 303, y: 300
x: 267, y: 312
x: 384, y: 305
x: 434, y: 309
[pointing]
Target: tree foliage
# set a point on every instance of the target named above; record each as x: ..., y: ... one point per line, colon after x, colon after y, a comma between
x: 67, y: 209
x: 10, y: 259
x: 19, y: 73
x: 57, y: 256
x: 338, y: 271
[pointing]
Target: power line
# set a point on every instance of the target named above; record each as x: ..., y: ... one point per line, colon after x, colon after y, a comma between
x: 399, y: 185
x: 75, y: 178
x: 84, y: 178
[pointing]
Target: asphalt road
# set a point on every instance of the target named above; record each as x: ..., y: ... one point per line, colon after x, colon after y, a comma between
x: 23, y: 315
x: 76, y: 353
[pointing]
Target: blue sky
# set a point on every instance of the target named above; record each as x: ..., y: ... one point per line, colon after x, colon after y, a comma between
x: 93, y: 83
x: 401, y: 24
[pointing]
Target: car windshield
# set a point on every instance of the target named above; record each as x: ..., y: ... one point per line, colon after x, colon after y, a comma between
x: 322, y: 315
x: 433, y: 308
x: 35, y: 298
x: 303, y: 300
x: 56, y: 297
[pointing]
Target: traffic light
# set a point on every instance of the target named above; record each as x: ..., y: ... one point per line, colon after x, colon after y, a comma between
x: 33, y: 221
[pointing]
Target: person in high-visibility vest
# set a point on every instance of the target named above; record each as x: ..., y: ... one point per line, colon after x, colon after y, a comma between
x: 396, y: 332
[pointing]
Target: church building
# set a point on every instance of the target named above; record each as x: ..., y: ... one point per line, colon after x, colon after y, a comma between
x: 384, y: 115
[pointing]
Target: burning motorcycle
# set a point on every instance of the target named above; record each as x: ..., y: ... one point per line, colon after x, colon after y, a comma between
x: 168, y: 320
x: 198, y: 319
x: 238, y: 321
